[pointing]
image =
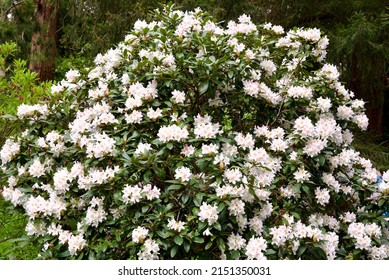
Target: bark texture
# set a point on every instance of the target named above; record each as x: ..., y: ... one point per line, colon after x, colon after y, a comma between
x: 44, y: 39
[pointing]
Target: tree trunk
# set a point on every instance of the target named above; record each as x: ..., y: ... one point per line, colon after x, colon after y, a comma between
x: 44, y: 39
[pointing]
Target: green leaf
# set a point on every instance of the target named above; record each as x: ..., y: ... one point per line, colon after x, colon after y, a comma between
x: 221, y: 206
x: 145, y: 208
x: 217, y: 226
x: 270, y: 252
x: 173, y: 251
x: 195, y: 210
x: 126, y: 156
x: 208, y: 245
x: 322, y: 160
x: 199, y: 240
x: 10, y: 117
x: 191, y: 217
x: 202, y: 226
x: 185, y: 198
x: 297, y: 187
x: 306, y: 189
x: 356, y: 254
x: 301, y: 250
x: 169, y: 146
x: 174, y: 187
x: 178, y: 240
x: 220, y: 244
x: 235, y: 255
x: 162, y: 234
x: 169, y: 207
x: 203, y: 86
x: 318, y: 252
x: 160, y: 172
x: 296, y: 215
x: 186, y: 246
x: 147, y: 176
x: 198, y: 199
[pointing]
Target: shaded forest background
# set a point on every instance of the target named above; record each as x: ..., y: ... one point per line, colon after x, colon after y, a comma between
x: 55, y: 36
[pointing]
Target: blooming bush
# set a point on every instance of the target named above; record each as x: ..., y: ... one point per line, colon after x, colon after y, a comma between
x: 193, y: 141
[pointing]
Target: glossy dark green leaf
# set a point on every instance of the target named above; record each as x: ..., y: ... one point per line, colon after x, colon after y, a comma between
x: 178, y: 240
x: 199, y: 240
x: 173, y: 251
x: 203, y: 86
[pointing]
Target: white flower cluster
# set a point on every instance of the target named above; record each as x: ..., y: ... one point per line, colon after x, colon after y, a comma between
x: 176, y: 225
x: 204, y: 128
x: 300, y: 92
x: 172, y: 133
x: 134, y: 194
x: 32, y: 111
x: 149, y: 251
x: 38, y: 205
x: 295, y: 232
x: 363, y: 233
x: 257, y: 89
x: 142, y: 148
x: 183, y: 174
x: 208, y: 213
x: 244, y: 26
x: 9, y: 150
x: 322, y: 196
x: 95, y: 213
x: 139, y: 234
x: 54, y: 142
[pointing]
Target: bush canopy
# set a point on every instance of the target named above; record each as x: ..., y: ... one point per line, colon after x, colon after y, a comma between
x: 193, y: 141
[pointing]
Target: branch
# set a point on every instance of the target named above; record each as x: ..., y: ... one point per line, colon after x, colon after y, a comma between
x: 284, y: 97
x: 6, y: 239
x: 12, y: 7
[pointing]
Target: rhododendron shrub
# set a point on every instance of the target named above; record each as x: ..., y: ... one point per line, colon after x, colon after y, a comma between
x: 193, y: 141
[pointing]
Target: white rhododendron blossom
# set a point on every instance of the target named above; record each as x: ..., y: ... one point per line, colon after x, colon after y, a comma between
x: 208, y: 213
x: 149, y: 250
x: 301, y: 175
x: 204, y: 128
x: 134, y: 194
x: 142, y: 148
x: 33, y: 111
x: 191, y: 140
x: 236, y: 242
x: 95, y: 216
x: 36, y: 169
x: 255, y: 249
x: 176, y: 225
x: 139, y: 234
x: 9, y: 151
x: 172, y: 133
x: 183, y: 173
x: 178, y: 96
x: 322, y: 196
x: 76, y: 243
x: 300, y: 92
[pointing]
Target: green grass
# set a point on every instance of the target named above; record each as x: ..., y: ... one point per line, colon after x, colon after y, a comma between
x: 13, y: 242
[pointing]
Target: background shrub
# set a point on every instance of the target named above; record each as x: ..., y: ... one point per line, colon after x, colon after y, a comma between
x: 188, y: 140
